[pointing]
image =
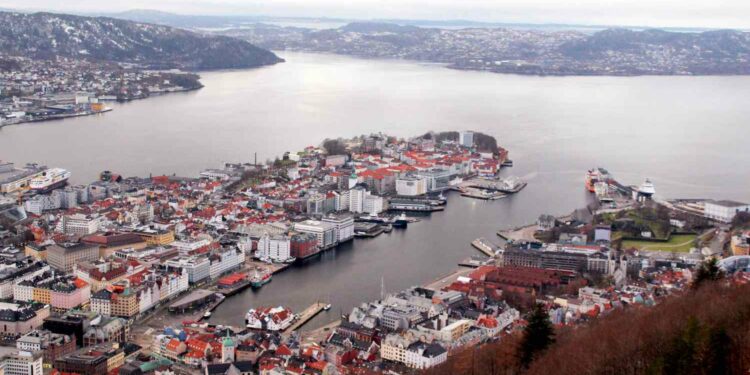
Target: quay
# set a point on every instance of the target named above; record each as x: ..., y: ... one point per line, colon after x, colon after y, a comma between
x: 483, y: 194
x: 475, y: 261
x: 306, y: 315
x: 484, y: 246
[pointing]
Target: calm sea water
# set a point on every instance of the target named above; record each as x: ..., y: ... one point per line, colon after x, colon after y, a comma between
x: 688, y: 134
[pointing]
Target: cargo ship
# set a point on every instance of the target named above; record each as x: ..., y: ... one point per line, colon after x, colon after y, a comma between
x: 261, y: 276
x: 596, y: 175
x: 49, y: 180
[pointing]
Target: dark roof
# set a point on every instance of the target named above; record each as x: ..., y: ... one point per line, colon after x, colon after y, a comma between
x: 433, y: 350
x: 729, y: 203
x: 244, y: 366
x: 219, y: 368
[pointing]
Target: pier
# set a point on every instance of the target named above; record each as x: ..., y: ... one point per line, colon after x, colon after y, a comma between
x: 306, y: 315
x: 484, y: 246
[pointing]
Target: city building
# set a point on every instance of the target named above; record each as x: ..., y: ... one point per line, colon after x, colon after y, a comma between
x: 411, y: 186
x: 725, y: 210
x: 275, y: 248
x: 466, y: 139
x: 323, y: 231
x: 343, y: 226
x: 79, y: 224
x: 63, y: 257
x: 22, y: 363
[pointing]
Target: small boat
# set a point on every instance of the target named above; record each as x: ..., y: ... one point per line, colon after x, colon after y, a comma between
x: 327, y: 307
x: 207, y: 315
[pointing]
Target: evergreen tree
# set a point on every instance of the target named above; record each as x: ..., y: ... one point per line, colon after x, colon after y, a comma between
x: 708, y: 271
x: 538, y: 335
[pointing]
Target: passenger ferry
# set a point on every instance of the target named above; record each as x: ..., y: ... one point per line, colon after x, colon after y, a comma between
x: 49, y: 180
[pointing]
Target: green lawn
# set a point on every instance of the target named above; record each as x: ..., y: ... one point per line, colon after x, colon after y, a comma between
x: 680, y: 243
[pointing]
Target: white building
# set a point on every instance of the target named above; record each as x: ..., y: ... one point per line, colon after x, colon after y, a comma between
x: 276, y: 248
x: 466, y: 139
x: 357, y: 199
x: 22, y: 363
x: 188, y: 246
x: 324, y: 232
x: 197, y: 268
x: 343, y: 225
x: 724, y: 211
x: 225, y: 261
x: 79, y: 224
x: 173, y: 284
x: 374, y: 204
x: 411, y: 186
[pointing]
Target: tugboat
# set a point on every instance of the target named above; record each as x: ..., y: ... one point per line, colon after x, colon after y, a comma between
x: 400, y: 221
x: 260, y: 277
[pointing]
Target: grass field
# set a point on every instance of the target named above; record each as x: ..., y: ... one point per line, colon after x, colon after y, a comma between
x: 680, y: 243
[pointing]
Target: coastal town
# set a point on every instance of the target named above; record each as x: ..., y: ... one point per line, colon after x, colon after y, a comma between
x: 122, y: 275
x: 34, y: 90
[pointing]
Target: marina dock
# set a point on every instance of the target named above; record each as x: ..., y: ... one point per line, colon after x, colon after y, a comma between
x: 484, y: 246
x: 306, y: 315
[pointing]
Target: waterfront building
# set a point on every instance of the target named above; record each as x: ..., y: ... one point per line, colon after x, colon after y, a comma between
x: 225, y: 260
x: 276, y: 248
x: 437, y: 179
x: 323, y: 231
x: 724, y: 211
x: 303, y: 245
x: 343, y: 226
x: 197, y: 267
x: 14, y: 179
x: 411, y: 186
x: 63, y: 257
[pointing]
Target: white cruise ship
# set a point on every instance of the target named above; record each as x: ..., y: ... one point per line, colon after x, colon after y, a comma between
x: 50, y: 179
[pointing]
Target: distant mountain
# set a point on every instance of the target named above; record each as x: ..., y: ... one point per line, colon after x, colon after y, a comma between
x: 181, y: 20
x: 45, y: 35
x: 523, y: 51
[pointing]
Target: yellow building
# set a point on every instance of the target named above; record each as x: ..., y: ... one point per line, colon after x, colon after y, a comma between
x: 36, y: 251
x: 741, y: 244
x: 42, y: 295
x: 124, y: 304
x: 156, y: 237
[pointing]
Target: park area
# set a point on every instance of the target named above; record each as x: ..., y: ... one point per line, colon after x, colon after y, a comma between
x: 680, y: 243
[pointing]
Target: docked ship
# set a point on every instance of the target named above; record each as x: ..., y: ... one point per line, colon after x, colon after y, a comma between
x: 646, y: 190
x: 261, y: 276
x: 596, y: 175
x: 400, y: 221
x: 49, y: 180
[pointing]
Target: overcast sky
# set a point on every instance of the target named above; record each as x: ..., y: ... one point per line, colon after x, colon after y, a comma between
x: 655, y: 13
